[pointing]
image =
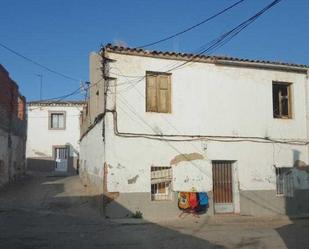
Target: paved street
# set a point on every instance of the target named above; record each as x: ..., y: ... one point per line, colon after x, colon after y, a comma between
x: 54, y: 212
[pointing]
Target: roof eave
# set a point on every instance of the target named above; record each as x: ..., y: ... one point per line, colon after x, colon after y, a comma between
x: 218, y: 60
x: 260, y: 65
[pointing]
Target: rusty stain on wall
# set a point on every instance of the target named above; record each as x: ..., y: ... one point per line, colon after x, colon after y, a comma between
x: 133, y: 179
x: 186, y: 157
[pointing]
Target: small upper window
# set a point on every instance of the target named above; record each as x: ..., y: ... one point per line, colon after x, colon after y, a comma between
x: 57, y: 120
x: 282, y: 100
x: 158, y: 92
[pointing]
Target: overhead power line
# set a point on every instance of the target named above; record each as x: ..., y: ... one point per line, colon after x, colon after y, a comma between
x: 73, y: 93
x: 38, y: 64
x: 214, y: 44
x: 226, y: 37
x: 192, y: 27
x: 209, y: 47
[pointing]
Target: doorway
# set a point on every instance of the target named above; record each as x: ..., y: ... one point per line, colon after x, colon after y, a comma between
x: 223, y: 186
x: 61, y: 155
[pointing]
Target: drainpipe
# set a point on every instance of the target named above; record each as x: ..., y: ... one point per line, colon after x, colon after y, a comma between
x: 103, y: 69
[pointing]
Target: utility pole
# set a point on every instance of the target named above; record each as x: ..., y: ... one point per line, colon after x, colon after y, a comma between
x: 41, y: 84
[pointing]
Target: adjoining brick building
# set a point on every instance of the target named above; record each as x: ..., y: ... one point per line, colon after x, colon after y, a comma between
x: 13, y: 125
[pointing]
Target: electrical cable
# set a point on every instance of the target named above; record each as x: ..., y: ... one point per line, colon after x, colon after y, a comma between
x: 226, y: 37
x: 212, y: 45
x: 193, y: 26
x: 38, y: 64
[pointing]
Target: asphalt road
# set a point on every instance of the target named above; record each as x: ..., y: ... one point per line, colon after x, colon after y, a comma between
x: 55, y: 212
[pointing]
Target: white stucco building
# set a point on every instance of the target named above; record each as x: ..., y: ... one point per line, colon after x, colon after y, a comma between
x: 236, y: 129
x: 53, y: 135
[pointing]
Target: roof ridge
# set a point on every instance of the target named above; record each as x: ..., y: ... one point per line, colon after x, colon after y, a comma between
x: 123, y: 49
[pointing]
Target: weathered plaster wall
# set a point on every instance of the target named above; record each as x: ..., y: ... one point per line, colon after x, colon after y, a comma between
x: 254, y: 169
x: 130, y: 158
x: 95, y: 103
x: 12, y: 129
x: 92, y: 157
x: 18, y: 157
x: 209, y: 100
x: 206, y: 100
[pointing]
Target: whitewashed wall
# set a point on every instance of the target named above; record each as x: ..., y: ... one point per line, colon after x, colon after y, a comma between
x: 206, y: 100
x: 92, y: 154
x: 211, y: 100
x: 40, y: 140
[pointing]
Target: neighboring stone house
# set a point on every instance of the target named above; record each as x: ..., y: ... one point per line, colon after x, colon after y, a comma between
x: 53, y: 134
x: 13, y: 125
x: 158, y: 123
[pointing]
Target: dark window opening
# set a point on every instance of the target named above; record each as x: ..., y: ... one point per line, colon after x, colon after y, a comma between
x: 282, y: 100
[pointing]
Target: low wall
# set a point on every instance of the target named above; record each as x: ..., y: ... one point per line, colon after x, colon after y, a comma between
x: 12, y: 157
x: 44, y: 164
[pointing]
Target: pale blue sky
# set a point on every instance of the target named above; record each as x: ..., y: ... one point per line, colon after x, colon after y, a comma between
x: 61, y: 33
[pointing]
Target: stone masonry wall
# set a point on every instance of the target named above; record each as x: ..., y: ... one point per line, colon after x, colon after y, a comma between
x: 13, y: 126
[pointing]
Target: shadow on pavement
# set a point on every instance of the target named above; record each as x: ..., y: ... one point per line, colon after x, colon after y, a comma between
x: 53, y: 216
x: 295, y: 235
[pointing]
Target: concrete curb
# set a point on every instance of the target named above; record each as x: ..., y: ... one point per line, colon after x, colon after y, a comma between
x: 129, y: 221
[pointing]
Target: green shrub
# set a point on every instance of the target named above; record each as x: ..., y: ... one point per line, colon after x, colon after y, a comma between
x: 137, y: 215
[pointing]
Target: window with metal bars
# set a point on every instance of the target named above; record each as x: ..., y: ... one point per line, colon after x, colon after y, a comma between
x: 161, y: 183
x: 284, y: 182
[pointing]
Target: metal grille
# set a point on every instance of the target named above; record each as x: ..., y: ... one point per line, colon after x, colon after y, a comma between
x: 222, y: 181
x: 161, y: 178
x: 284, y: 182
x: 61, y: 153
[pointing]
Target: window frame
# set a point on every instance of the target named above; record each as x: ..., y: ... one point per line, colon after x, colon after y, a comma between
x: 50, y: 113
x: 290, y: 98
x: 167, y: 196
x: 284, y: 179
x: 169, y: 88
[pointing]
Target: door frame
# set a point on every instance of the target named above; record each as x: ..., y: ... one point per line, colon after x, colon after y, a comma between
x: 235, y: 186
x: 68, y: 155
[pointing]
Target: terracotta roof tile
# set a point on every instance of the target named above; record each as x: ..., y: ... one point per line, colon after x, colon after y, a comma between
x: 188, y: 56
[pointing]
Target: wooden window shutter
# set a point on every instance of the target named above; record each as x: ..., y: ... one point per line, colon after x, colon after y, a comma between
x: 151, y: 93
x: 164, y: 93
